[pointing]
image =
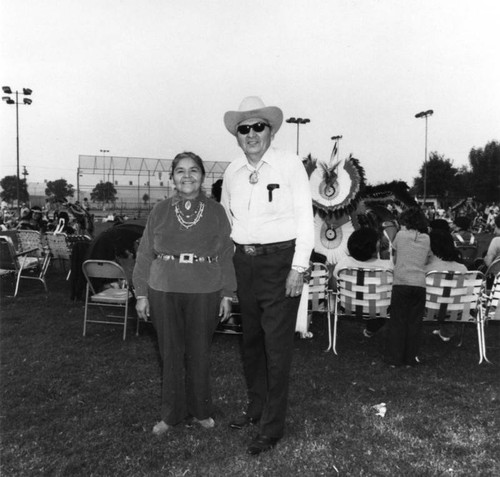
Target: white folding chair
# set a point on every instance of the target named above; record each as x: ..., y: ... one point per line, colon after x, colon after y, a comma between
x: 319, y: 297
x: 362, y: 293
x: 453, y: 297
x: 490, y: 309
x: 119, y: 295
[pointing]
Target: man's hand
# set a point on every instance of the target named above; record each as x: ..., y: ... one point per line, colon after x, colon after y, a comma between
x: 294, y: 283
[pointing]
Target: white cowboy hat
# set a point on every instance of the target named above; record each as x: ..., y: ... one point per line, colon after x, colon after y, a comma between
x: 253, y: 107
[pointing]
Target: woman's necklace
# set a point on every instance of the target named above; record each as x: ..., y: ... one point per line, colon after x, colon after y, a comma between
x: 184, y: 218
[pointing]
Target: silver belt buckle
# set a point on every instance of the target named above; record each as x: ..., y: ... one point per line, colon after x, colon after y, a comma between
x: 249, y: 249
x: 186, y: 258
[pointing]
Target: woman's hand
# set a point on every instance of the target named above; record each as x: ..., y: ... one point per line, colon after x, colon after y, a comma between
x: 225, y: 307
x: 142, y: 308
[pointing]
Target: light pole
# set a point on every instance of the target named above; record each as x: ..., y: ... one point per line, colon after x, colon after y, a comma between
x: 104, y: 151
x: 27, y: 102
x: 298, y: 122
x: 425, y: 114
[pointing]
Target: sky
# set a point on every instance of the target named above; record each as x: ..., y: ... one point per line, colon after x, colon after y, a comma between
x: 152, y: 78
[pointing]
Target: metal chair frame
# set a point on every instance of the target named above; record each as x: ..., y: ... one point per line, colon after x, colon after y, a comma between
x: 110, y: 297
x: 318, y: 292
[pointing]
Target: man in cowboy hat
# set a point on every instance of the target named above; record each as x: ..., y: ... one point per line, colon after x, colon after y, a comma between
x: 266, y: 195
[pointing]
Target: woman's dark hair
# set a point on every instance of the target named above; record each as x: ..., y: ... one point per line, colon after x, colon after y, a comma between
x: 413, y: 218
x: 443, y: 247
x: 462, y: 222
x: 188, y: 155
x: 441, y: 224
x: 362, y: 244
x: 497, y: 221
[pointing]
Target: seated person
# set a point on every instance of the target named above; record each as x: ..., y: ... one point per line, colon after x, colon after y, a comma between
x: 363, y: 246
x: 441, y: 224
x: 462, y: 234
x: 494, y: 248
x: 444, y: 258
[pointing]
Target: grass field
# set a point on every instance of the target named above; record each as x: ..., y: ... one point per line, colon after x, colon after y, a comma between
x: 74, y: 406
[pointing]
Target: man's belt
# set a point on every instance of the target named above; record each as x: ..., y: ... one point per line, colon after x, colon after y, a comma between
x: 186, y: 258
x: 265, y: 248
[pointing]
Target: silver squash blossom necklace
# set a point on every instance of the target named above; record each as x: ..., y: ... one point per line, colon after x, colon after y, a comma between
x: 185, y: 219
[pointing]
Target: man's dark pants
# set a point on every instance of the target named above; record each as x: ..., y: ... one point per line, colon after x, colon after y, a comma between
x: 268, y: 322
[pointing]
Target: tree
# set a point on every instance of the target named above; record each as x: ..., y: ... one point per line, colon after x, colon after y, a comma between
x: 103, y: 192
x: 59, y: 190
x: 485, y: 172
x: 441, y: 177
x: 145, y: 199
x: 9, y: 192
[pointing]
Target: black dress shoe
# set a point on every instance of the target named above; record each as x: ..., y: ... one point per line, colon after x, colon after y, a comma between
x: 262, y: 444
x: 243, y: 421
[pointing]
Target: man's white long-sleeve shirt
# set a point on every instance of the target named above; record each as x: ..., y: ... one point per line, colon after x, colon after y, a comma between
x: 259, y: 216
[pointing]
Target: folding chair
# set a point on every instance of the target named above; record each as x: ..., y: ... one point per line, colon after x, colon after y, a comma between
x: 453, y: 297
x: 106, y: 271
x: 362, y: 293
x: 20, y: 264
x: 319, y: 298
x: 34, y: 242
x: 60, y: 250
x: 490, y: 309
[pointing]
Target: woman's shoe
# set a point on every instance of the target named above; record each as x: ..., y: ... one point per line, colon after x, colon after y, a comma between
x: 160, y: 428
x: 207, y: 423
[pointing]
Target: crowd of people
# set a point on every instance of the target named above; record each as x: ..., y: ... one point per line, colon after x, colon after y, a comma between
x: 196, y: 253
x: 55, y: 216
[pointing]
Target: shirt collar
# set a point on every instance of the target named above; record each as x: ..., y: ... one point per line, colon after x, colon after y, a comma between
x: 269, y: 157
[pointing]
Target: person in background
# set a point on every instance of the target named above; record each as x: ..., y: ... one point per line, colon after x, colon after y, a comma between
x: 267, y: 197
x: 441, y: 224
x: 363, y: 246
x: 462, y: 234
x: 493, y: 251
x: 444, y: 258
x: 184, y: 279
x: 411, y: 253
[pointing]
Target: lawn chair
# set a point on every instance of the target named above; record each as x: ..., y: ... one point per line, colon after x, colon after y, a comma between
x: 362, y: 293
x: 60, y: 250
x: 105, y: 272
x: 20, y: 264
x: 319, y: 299
x: 490, y: 309
x: 34, y: 242
x: 453, y: 297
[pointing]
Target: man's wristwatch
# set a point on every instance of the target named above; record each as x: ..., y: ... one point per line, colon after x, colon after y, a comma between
x: 299, y: 269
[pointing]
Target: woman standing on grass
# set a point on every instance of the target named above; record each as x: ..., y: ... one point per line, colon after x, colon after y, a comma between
x: 184, y: 278
x: 411, y: 252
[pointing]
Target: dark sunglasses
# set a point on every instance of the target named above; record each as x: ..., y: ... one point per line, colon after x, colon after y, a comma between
x: 244, y: 129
